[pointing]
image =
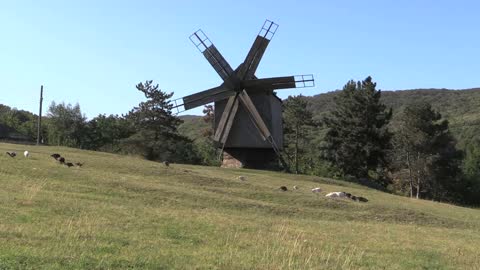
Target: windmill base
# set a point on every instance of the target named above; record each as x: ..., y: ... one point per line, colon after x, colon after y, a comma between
x: 251, y: 158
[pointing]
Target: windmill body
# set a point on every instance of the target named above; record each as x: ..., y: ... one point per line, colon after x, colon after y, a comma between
x: 248, y: 115
x: 245, y: 147
x: 244, y: 133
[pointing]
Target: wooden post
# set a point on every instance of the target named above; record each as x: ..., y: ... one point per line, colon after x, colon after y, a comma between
x: 39, y: 124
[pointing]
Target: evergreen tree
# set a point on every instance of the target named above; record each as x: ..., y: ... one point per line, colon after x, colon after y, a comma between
x: 472, y: 159
x: 429, y: 152
x: 298, y: 121
x: 157, y: 137
x: 358, y: 139
x: 471, y: 170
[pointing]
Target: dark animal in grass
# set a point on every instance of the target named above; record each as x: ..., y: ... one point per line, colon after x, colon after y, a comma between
x: 166, y: 163
x: 69, y: 164
x: 12, y: 154
x: 362, y: 199
x: 61, y: 160
x: 79, y: 164
x: 349, y: 195
x: 283, y: 188
x: 55, y: 156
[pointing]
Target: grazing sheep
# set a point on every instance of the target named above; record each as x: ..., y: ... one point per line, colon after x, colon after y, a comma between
x: 242, y: 178
x: 342, y: 194
x: 316, y: 190
x: 295, y: 187
x: 12, y: 154
x: 56, y: 156
x: 166, y: 163
x: 336, y: 195
x: 69, y: 164
x: 79, y: 164
x: 283, y: 188
x: 26, y: 154
x: 61, y: 160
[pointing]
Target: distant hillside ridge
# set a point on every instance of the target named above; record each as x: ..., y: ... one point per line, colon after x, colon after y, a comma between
x: 460, y: 107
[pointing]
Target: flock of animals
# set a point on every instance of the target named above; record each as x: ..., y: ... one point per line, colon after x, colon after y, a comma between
x: 14, y: 154
x: 62, y: 160
x: 332, y: 195
x: 56, y: 156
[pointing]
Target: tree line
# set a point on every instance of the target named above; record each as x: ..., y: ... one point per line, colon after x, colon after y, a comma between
x: 354, y: 141
x: 148, y: 130
x: 418, y: 157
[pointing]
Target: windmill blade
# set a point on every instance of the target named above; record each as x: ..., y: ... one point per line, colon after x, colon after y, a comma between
x: 298, y: 81
x: 213, y: 56
x: 229, y: 125
x: 257, y: 50
x: 254, y: 115
x: 224, y: 118
x: 207, y: 96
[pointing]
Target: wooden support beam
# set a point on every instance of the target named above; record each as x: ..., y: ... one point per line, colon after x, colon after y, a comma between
x: 228, y: 127
x: 224, y: 118
x: 254, y: 115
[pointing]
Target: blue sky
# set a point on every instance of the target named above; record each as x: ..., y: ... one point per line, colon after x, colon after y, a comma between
x: 94, y: 52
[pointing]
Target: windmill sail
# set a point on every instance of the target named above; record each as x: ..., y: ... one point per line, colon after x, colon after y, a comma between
x: 257, y: 50
x: 213, y: 56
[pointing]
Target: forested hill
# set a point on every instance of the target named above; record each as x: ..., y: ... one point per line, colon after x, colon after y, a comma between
x: 460, y: 107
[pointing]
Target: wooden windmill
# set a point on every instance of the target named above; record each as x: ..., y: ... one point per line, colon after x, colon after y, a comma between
x: 248, y: 114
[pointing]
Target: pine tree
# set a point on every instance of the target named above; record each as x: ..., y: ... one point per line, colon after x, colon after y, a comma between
x: 298, y: 120
x: 429, y: 152
x: 156, y: 126
x: 358, y: 139
x: 471, y: 170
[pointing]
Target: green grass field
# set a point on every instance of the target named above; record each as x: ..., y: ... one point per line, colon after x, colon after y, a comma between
x: 120, y: 212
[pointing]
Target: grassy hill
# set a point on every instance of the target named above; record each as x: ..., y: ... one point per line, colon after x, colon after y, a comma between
x: 119, y: 212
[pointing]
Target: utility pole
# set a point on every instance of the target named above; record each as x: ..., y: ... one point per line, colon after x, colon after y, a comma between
x: 39, y: 124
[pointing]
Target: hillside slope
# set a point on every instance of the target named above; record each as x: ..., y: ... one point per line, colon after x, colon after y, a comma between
x: 119, y: 212
x: 460, y: 107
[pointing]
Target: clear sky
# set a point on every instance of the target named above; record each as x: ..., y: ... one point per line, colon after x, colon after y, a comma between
x: 94, y: 51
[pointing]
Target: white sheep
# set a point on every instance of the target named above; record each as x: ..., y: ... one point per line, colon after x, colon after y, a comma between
x: 336, y: 195
x: 26, y: 154
x: 316, y: 190
x: 295, y: 187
